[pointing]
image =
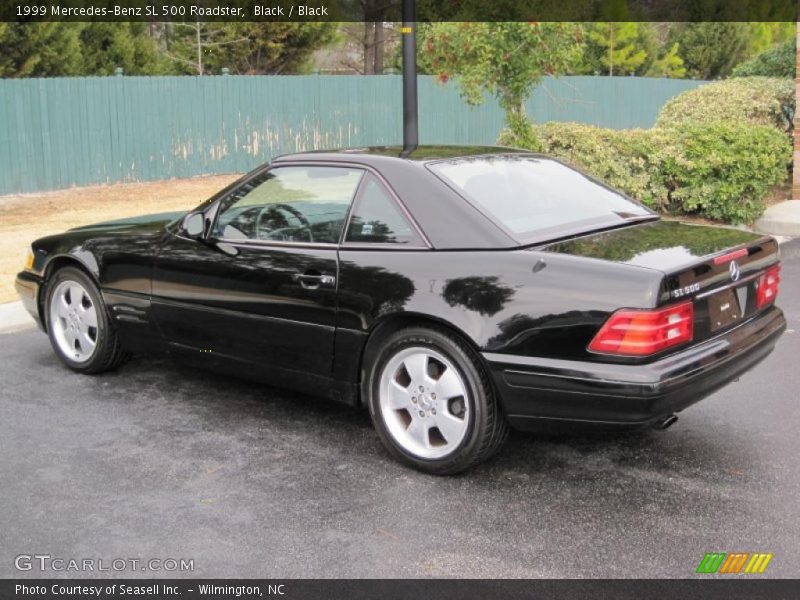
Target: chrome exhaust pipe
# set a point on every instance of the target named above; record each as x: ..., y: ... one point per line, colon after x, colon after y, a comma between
x: 666, y: 422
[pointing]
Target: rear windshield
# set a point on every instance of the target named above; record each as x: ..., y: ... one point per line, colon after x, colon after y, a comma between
x: 534, y: 197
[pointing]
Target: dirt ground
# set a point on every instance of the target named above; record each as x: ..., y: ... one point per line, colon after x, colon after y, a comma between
x: 26, y: 217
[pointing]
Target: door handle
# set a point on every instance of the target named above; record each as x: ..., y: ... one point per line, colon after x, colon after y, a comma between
x: 314, y: 279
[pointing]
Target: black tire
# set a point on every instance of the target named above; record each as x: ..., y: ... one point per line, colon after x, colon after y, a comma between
x: 108, y: 354
x: 487, y: 428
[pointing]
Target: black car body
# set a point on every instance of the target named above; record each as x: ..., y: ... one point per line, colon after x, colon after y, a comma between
x: 303, y: 313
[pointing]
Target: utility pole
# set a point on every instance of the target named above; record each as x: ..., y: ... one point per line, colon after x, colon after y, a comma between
x: 410, y: 117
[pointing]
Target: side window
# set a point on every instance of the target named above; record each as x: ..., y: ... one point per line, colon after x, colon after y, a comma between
x: 377, y: 219
x: 293, y: 204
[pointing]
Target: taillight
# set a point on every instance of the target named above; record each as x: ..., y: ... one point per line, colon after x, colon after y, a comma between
x: 767, y: 286
x: 642, y: 332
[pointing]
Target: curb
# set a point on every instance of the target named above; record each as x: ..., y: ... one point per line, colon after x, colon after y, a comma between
x: 14, y: 318
x: 781, y: 219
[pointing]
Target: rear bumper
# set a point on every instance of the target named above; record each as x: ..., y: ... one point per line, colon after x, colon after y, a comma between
x: 539, y: 393
x: 28, y: 285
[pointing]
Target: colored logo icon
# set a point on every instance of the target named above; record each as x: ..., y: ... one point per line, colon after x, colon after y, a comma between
x: 723, y: 563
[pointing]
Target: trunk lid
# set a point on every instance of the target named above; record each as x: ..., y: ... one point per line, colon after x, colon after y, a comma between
x: 714, y: 267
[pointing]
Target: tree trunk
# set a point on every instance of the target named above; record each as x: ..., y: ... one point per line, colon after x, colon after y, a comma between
x: 369, y: 48
x: 380, y: 37
x: 199, y: 51
x: 514, y: 109
x: 611, y: 50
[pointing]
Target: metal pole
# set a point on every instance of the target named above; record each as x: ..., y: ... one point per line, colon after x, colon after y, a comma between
x: 410, y: 118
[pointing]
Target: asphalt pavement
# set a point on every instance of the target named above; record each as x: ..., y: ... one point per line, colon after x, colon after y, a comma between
x: 163, y: 461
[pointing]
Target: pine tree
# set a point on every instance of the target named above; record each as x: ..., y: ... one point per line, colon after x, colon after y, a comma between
x: 40, y: 49
x: 246, y: 48
x: 669, y: 64
x: 711, y: 50
x: 619, y: 54
x: 128, y: 45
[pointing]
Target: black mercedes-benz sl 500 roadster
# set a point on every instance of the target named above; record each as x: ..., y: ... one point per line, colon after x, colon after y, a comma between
x: 454, y: 291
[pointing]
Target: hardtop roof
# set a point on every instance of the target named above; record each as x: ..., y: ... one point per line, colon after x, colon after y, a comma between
x: 422, y: 153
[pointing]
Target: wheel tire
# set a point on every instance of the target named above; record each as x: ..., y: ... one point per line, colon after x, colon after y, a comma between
x: 107, y: 353
x: 484, y: 428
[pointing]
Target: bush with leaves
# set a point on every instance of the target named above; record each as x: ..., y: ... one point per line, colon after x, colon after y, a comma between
x: 778, y: 61
x: 753, y: 100
x: 720, y: 171
x: 725, y: 170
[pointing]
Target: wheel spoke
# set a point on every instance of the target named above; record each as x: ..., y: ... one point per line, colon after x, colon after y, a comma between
x: 399, y: 397
x: 449, y: 426
x: 417, y: 367
x: 70, y: 336
x: 75, y: 296
x: 87, y: 344
x: 418, y: 430
x: 449, y: 385
x: 62, y: 307
x: 88, y: 315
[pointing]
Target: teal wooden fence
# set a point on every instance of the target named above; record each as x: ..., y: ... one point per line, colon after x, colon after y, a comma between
x: 56, y: 133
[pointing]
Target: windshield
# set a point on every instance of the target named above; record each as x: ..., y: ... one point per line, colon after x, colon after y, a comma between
x: 534, y: 196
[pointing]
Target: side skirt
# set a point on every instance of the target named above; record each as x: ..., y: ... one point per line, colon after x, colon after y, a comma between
x: 314, y: 385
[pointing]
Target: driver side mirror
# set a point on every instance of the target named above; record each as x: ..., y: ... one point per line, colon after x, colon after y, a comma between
x: 194, y: 225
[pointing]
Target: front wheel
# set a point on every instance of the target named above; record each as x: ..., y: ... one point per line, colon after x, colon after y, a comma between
x: 432, y: 403
x: 78, y: 325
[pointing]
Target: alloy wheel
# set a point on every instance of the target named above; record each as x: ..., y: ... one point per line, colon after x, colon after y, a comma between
x: 73, y: 317
x: 424, y: 403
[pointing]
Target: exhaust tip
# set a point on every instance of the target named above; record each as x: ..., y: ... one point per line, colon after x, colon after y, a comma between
x: 666, y: 422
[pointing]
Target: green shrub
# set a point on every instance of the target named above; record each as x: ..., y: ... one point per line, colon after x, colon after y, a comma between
x: 778, y: 61
x: 753, y: 100
x: 721, y: 171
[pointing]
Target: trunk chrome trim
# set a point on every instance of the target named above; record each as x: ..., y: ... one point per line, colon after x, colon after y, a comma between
x: 728, y: 286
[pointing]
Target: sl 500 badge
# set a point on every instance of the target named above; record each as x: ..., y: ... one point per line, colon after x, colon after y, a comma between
x: 685, y: 291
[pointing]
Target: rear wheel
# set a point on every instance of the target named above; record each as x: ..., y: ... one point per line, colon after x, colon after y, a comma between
x: 432, y: 403
x: 78, y: 325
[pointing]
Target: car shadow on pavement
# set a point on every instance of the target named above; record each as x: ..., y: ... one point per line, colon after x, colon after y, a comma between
x: 225, y: 402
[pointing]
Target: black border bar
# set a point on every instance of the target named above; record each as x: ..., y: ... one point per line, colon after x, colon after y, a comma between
x: 734, y: 588
x: 391, y: 10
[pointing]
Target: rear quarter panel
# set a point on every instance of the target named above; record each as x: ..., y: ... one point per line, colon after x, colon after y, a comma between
x: 522, y: 302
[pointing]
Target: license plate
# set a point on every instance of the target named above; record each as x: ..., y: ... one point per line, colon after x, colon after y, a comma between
x: 723, y: 309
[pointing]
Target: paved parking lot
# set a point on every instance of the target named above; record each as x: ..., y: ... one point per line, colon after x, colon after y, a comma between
x: 162, y: 461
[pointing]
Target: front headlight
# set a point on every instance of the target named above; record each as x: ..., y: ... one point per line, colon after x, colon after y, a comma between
x: 29, y: 260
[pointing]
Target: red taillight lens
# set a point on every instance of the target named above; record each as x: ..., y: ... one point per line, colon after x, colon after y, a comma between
x: 767, y: 286
x: 642, y: 332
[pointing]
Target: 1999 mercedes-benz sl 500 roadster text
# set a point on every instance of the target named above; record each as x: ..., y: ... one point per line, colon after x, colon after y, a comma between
x: 454, y: 291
